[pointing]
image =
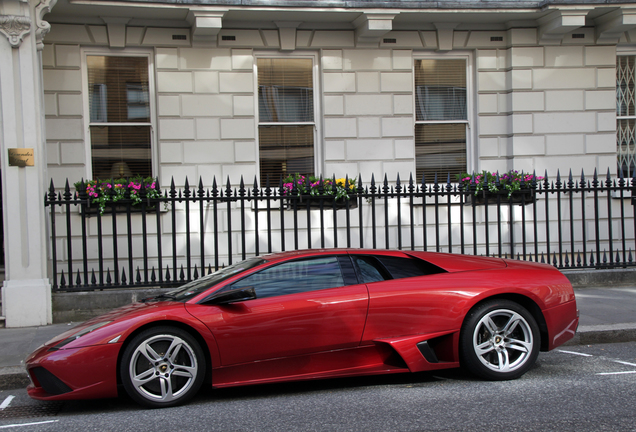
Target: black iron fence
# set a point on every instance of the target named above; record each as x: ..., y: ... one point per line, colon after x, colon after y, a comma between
x: 186, y: 232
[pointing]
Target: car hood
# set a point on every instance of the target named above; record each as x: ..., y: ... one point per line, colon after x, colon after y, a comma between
x: 114, y: 323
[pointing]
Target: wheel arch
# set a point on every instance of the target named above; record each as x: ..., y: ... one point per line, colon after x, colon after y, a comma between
x: 528, y: 304
x: 172, y: 323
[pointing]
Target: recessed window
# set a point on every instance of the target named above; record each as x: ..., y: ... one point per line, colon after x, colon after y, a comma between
x: 120, y: 126
x: 626, y: 114
x: 286, y: 130
x: 441, y: 117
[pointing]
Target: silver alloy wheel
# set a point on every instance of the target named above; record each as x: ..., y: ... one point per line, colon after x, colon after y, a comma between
x: 163, y: 368
x: 503, y: 340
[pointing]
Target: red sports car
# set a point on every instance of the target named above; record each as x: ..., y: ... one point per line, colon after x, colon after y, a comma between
x: 314, y: 314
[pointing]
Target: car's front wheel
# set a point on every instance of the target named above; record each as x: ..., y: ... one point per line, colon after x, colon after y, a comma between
x: 499, y: 340
x: 162, y: 366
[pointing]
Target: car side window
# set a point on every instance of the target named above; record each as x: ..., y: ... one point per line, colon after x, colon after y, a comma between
x: 403, y: 267
x: 294, y: 277
x: 370, y: 269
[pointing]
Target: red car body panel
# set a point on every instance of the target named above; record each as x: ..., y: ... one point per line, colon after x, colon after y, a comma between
x: 357, y: 329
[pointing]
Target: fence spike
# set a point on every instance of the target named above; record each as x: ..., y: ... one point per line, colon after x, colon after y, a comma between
x: 62, y: 280
x: 196, y: 273
x: 153, y: 277
x: 182, y: 273
x: 567, y: 260
x: 123, y: 276
x: 108, y: 279
x: 592, y: 259
x: 167, y: 273
x: 93, y: 278
x: 554, y: 259
x: 542, y: 258
x: 618, y: 257
x: 578, y: 258
x: 138, y: 276
x: 604, y: 256
x: 209, y: 268
x: 78, y: 279
x: 629, y: 257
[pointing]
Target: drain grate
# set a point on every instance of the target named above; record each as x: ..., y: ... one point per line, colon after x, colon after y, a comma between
x: 27, y: 411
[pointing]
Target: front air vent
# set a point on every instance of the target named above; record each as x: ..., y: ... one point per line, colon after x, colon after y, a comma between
x: 179, y: 37
x: 578, y: 35
x: 496, y: 38
x: 228, y: 38
x: 389, y: 40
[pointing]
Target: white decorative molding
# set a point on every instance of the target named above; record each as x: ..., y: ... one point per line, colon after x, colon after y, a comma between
x: 553, y: 27
x: 43, y: 27
x: 370, y: 27
x: 14, y: 27
x: 611, y: 26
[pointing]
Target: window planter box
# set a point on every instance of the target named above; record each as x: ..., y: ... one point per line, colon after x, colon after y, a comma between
x: 521, y: 197
x: 302, y: 202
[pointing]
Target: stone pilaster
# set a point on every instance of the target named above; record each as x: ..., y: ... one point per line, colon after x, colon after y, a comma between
x: 26, y: 293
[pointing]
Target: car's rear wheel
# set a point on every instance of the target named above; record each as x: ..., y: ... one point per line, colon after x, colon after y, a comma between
x: 499, y: 340
x: 162, y: 366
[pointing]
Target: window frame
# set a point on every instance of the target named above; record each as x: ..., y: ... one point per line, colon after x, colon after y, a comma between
x: 623, y: 52
x: 129, y: 52
x: 472, y: 156
x: 317, y: 95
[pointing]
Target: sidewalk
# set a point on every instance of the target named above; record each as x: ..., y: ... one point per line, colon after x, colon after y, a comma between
x: 606, y: 315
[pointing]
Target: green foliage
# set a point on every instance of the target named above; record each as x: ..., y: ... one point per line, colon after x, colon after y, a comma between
x: 510, y: 181
x: 101, y: 192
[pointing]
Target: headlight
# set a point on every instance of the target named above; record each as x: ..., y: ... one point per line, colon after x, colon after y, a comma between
x: 78, y: 335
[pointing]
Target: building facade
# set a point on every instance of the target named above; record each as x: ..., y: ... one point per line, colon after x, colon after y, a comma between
x: 262, y: 89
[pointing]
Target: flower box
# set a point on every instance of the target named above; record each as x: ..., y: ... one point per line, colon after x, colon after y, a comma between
x: 520, y: 197
x: 327, y: 201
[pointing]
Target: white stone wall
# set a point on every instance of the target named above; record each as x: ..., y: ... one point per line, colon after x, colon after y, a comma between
x: 368, y: 113
x: 547, y: 107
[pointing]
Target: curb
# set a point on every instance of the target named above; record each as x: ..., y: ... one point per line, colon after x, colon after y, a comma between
x: 15, y: 377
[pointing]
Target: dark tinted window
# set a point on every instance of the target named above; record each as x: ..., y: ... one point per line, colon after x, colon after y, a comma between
x: 370, y: 269
x: 294, y: 277
x: 401, y: 268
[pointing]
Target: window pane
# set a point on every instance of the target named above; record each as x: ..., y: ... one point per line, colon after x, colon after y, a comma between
x: 285, y: 90
x: 625, y: 77
x: 625, y: 103
x: 118, y: 89
x: 286, y: 150
x: 120, y: 151
x: 441, y: 149
x: 626, y: 143
x: 440, y: 90
x: 295, y: 277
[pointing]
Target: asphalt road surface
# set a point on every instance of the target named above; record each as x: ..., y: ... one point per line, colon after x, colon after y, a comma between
x: 577, y: 388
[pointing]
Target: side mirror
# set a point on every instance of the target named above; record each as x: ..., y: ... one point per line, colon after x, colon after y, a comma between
x: 233, y: 296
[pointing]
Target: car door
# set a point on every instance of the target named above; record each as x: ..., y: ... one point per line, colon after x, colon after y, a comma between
x: 302, y: 306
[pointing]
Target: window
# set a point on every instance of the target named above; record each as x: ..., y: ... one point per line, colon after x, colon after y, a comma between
x: 120, y: 125
x: 286, y: 129
x: 441, y: 117
x: 294, y: 277
x: 626, y: 114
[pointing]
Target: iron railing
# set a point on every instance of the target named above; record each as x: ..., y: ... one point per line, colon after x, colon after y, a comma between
x: 569, y: 223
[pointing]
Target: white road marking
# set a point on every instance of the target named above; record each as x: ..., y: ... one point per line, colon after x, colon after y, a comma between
x: 6, y: 402
x: 625, y: 363
x: 576, y: 353
x: 617, y: 373
x: 28, y: 424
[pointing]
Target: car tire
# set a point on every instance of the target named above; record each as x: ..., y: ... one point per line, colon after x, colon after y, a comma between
x: 162, y: 367
x: 499, y: 340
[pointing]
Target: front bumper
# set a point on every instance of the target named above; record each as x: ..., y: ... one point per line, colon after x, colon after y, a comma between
x: 73, y: 373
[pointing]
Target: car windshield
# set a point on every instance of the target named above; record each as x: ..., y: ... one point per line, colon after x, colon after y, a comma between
x: 197, y: 286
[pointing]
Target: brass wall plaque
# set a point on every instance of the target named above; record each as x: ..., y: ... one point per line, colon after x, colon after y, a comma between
x: 21, y: 157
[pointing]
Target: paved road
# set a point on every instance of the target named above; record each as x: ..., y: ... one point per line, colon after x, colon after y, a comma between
x: 576, y: 388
